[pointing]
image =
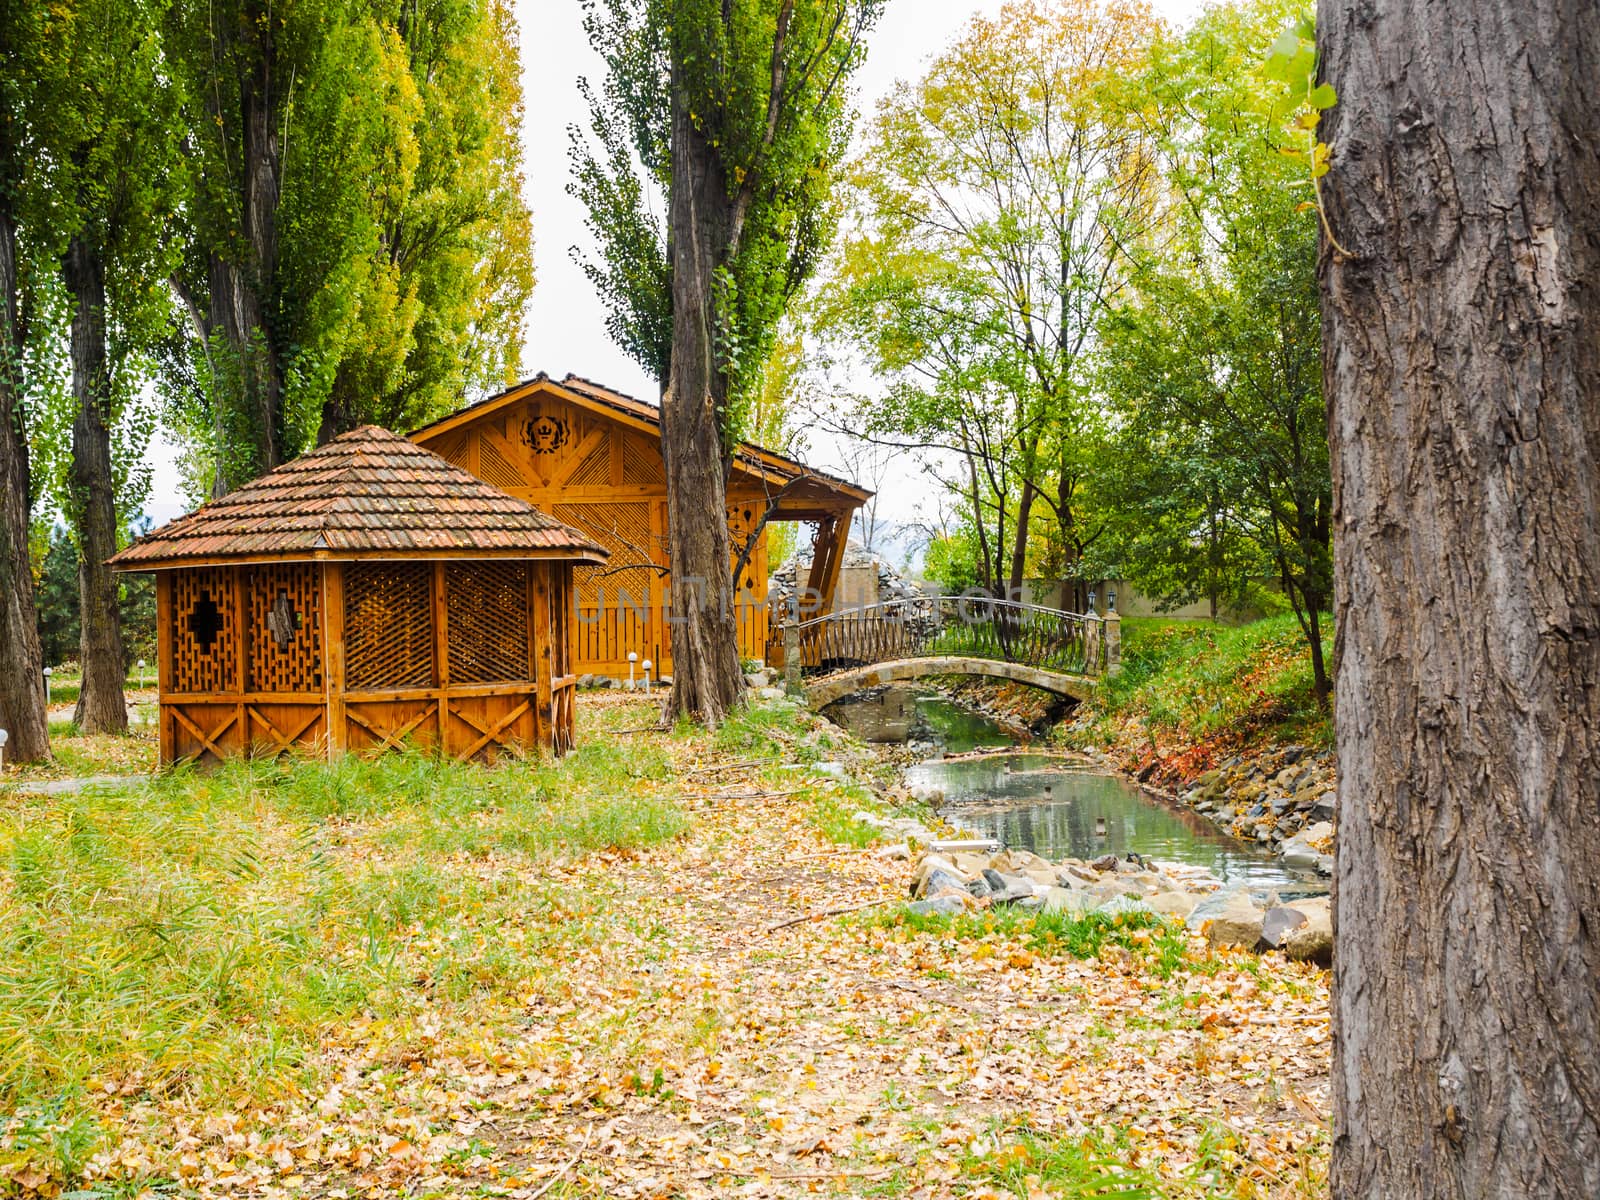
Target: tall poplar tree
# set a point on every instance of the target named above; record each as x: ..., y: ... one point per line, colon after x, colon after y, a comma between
x: 356, y: 247
x: 737, y: 110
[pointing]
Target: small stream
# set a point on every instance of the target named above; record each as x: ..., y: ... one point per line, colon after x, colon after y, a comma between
x: 1051, y: 805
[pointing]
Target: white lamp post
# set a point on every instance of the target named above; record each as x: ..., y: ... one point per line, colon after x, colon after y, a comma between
x: 141, y: 674
x: 633, y: 657
x: 47, y: 673
x: 646, y: 666
x: 4, y: 737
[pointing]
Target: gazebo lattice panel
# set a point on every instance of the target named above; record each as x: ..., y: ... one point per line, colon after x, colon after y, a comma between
x: 388, y: 626
x: 487, y: 604
x: 285, y: 627
x: 205, y: 631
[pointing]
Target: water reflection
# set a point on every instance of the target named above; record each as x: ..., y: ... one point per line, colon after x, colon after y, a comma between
x: 1063, y: 811
x: 1050, y: 806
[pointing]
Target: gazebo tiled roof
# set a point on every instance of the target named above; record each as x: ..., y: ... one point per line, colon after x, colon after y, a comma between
x: 367, y: 494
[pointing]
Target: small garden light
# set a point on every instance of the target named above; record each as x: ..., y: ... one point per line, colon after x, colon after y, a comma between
x: 646, y: 666
x: 47, y: 673
x: 633, y: 657
x: 141, y: 674
x: 4, y: 737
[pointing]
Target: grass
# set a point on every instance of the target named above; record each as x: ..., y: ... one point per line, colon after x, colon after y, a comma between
x: 198, y: 934
x: 1192, y: 681
x: 1149, y: 937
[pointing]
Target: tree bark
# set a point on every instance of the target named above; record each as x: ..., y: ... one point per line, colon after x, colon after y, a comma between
x: 102, y: 707
x: 706, y: 681
x: 22, y: 710
x: 1462, y: 369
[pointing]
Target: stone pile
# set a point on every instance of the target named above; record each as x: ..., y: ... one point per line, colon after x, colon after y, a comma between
x: 962, y: 880
x: 891, y: 584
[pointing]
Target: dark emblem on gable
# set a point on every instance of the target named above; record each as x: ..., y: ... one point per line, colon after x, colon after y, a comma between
x: 544, y: 434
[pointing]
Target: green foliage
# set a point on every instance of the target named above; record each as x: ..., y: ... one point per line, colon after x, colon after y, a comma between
x: 1146, y: 935
x: 1218, y: 469
x: 202, y: 932
x: 764, y: 86
x: 1292, y: 61
x: 993, y: 208
x: 56, y: 602
x: 56, y: 599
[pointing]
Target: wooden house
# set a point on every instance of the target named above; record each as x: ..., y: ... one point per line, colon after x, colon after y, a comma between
x: 591, y: 457
x: 364, y: 596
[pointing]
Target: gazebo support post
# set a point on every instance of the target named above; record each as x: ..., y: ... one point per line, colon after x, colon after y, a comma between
x: 333, y: 657
x: 441, y: 654
x: 164, y: 664
x: 543, y: 662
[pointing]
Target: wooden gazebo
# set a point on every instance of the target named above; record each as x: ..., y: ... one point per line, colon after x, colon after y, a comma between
x: 364, y: 596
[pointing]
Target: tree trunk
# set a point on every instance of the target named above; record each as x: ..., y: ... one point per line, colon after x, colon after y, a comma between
x: 1019, y: 545
x: 1462, y: 369
x: 102, y: 707
x: 22, y: 711
x: 706, y: 681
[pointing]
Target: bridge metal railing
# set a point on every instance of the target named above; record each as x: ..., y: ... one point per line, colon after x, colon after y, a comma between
x: 924, y: 626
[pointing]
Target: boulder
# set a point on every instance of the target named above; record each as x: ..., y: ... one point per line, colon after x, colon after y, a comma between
x: 946, y: 905
x: 934, y: 872
x: 1229, y: 918
x: 1326, y: 805
x: 1306, y: 848
x: 770, y: 693
x: 1007, y: 888
x: 1312, y: 941
x: 1019, y: 862
x: 1278, y: 921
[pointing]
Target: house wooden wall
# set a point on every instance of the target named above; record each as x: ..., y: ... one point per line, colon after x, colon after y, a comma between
x: 474, y: 657
x: 604, y: 476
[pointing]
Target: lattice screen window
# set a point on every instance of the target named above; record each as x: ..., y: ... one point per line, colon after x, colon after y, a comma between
x: 487, y: 615
x: 388, y: 625
x: 285, y: 627
x: 205, y: 637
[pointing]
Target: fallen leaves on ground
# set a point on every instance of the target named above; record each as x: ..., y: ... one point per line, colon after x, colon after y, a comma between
x: 658, y: 1037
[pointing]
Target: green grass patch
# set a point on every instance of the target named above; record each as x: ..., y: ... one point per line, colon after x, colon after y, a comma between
x: 1025, y: 1162
x: 198, y: 934
x: 1149, y: 937
x: 1195, y: 680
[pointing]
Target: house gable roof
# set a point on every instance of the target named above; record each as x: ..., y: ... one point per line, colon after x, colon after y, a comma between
x: 751, y: 460
x: 365, y: 494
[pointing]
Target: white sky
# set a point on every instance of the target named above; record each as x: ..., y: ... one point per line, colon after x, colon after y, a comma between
x: 565, y: 323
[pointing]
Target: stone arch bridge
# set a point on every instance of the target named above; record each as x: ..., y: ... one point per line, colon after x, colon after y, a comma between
x: 854, y: 649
